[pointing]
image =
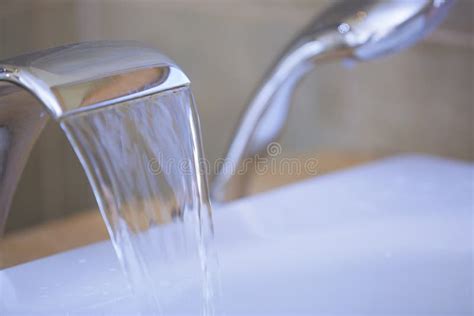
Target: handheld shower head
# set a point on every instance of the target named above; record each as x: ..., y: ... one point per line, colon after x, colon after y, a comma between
x: 354, y: 29
x: 373, y: 28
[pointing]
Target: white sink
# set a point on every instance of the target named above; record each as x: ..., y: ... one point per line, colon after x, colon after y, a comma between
x: 393, y: 237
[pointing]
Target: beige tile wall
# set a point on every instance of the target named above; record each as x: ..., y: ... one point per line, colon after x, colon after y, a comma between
x: 420, y: 100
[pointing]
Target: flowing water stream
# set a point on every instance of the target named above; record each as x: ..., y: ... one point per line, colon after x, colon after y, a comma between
x: 142, y: 158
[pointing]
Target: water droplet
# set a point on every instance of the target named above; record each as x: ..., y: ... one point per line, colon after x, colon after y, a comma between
x: 344, y: 28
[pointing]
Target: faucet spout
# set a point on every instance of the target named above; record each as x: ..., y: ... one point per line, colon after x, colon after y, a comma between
x: 353, y: 29
x: 65, y: 81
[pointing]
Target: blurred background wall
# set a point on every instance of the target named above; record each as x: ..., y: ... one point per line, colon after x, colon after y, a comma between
x: 420, y: 100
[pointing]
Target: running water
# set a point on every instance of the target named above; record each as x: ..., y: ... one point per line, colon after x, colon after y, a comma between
x: 142, y: 158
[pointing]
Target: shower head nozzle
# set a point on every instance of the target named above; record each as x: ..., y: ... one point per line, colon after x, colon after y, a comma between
x: 373, y: 28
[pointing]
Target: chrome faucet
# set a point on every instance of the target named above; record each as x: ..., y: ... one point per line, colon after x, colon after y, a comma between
x: 65, y: 81
x: 82, y: 77
x: 353, y: 29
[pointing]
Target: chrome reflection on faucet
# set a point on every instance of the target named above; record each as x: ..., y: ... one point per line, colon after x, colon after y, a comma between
x: 353, y: 29
x: 67, y: 80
